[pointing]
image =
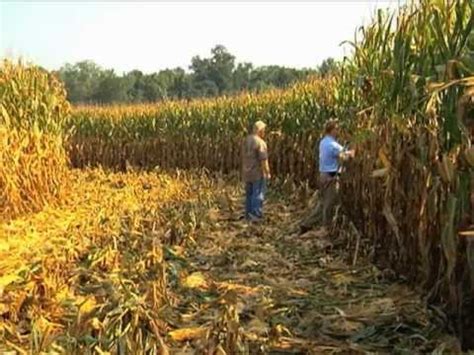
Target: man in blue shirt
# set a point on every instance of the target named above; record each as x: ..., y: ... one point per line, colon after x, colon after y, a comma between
x: 331, y: 153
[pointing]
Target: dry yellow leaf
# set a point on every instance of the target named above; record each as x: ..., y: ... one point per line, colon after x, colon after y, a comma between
x: 188, y: 333
x: 384, y: 159
x: 379, y: 173
x: 8, y: 279
x: 100, y: 351
x: 88, y: 306
x: 257, y: 326
x: 96, y: 323
x: 195, y: 280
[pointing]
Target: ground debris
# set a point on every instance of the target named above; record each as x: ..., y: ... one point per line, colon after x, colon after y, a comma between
x: 137, y: 261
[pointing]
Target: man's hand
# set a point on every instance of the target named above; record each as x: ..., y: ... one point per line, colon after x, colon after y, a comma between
x: 348, y: 154
x: 267, y: 176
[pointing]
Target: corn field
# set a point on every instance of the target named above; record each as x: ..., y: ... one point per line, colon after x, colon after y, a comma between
x: 415, y: 97
x: 406, y: 99
x: 205, y: 133
x: 152, y: 259
x: 33, y: 159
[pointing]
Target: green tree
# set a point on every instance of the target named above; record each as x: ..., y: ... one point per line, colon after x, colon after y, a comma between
x: 213, y: 75
x: 112, y: 88
x: 81, y: 80
x: 328, y: 66
x: 242, y: 76
x: 181, y: 85
x: 217, y: 74
x: 153, y: 89
x: 136, y: 81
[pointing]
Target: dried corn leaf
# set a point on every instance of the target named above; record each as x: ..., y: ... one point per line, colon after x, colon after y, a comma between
x: 8, y: 279
x: 195, y: 280
x: 184, y: 334
x: 379, y: 173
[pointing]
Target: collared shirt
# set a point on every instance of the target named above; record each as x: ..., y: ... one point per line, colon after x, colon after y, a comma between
x: 329, y: 150
x: 254, y: 151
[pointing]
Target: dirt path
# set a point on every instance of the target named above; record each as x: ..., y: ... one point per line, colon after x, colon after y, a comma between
x: 295, y: 294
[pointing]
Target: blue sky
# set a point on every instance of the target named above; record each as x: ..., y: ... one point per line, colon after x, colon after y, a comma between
x: 155, y: 35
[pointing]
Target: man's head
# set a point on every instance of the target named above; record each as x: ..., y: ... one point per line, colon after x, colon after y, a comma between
x: 331, y: 127
x: 259, y: 128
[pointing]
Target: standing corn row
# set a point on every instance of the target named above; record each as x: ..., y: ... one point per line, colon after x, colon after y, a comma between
x: 412, y: 81
x: 32, y: 156
x: 203, y: 133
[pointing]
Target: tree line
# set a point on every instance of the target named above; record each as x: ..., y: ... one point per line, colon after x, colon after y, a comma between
x: 219, y: 74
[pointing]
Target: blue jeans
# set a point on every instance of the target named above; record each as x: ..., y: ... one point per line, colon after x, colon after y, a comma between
x: 254, y: 196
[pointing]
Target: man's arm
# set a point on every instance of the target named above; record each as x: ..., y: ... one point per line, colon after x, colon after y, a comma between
x: 266, y: 169
x: 263, y: 156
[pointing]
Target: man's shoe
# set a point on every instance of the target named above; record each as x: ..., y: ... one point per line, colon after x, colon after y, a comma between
x: 303, y: 230
x: 252, y: 218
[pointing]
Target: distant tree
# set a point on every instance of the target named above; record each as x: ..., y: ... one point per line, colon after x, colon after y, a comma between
x: 217, y: 74
x: 152, y: 88
x: 206, y: 88
x: 222, y: 67
x: 81, y: 80
x: 112, y: 88
x: 328, y: 66
x: 213, y: 73
x: 181, y: 86
x: 276, y: 76
x: 242, y: 76
x: 136, y: 81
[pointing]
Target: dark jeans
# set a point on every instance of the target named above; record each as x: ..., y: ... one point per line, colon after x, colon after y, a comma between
x: 254, y: 196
